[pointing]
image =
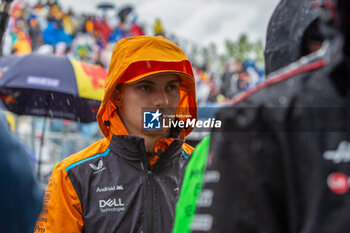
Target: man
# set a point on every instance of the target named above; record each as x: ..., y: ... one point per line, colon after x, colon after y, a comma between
x: 129, y: 181
x: 283, y: 159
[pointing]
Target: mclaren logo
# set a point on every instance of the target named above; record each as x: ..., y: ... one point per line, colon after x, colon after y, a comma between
x: 97, y: 168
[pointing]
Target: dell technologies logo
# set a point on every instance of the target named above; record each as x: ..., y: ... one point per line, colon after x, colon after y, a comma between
x: 111, y: 205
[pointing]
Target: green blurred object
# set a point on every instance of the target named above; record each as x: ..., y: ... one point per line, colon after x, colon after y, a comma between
x: 191, y: 187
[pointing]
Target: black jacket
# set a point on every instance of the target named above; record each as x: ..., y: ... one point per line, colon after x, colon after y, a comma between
x: 283, y: 154
x: 110, y: 187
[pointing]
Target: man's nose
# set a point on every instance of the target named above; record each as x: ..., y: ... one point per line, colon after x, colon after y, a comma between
x: 161, y: 99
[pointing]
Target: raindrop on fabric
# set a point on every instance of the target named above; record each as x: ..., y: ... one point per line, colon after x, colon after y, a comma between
x: 282, y: 100
x: 290, y: 82
x: 241, y: 120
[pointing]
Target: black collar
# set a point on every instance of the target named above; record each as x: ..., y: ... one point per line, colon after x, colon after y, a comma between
x: 133, y: 148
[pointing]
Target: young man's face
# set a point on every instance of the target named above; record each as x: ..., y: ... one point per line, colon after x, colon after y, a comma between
x: 158, y: 92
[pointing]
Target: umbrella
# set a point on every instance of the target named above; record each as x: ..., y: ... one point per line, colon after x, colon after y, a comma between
x: 105, y: 5
x: 124, y: 12
x: 51, y: 86
x: 47, y: 85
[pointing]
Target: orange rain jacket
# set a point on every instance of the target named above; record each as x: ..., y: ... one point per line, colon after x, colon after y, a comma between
x: 111, y: 185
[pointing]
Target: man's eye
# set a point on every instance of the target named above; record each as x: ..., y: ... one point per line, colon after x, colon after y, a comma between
x: 172, y: 87
x: 145, y: 87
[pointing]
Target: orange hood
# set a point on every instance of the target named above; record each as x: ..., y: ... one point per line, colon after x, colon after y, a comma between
x: 135, y: 58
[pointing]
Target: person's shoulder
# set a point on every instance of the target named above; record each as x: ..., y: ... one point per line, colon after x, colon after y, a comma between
x: 79, y: 157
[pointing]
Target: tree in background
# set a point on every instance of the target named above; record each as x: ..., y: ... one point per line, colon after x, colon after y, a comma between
x: 241, y: 49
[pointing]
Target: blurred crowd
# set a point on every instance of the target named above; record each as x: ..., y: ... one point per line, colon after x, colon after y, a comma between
x: 46, y: 28
x: 213, y: 89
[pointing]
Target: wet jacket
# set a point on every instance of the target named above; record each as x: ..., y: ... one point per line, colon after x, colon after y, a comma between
x: 282, y: 157
x: 284, y: 44
x: 114, y: 185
